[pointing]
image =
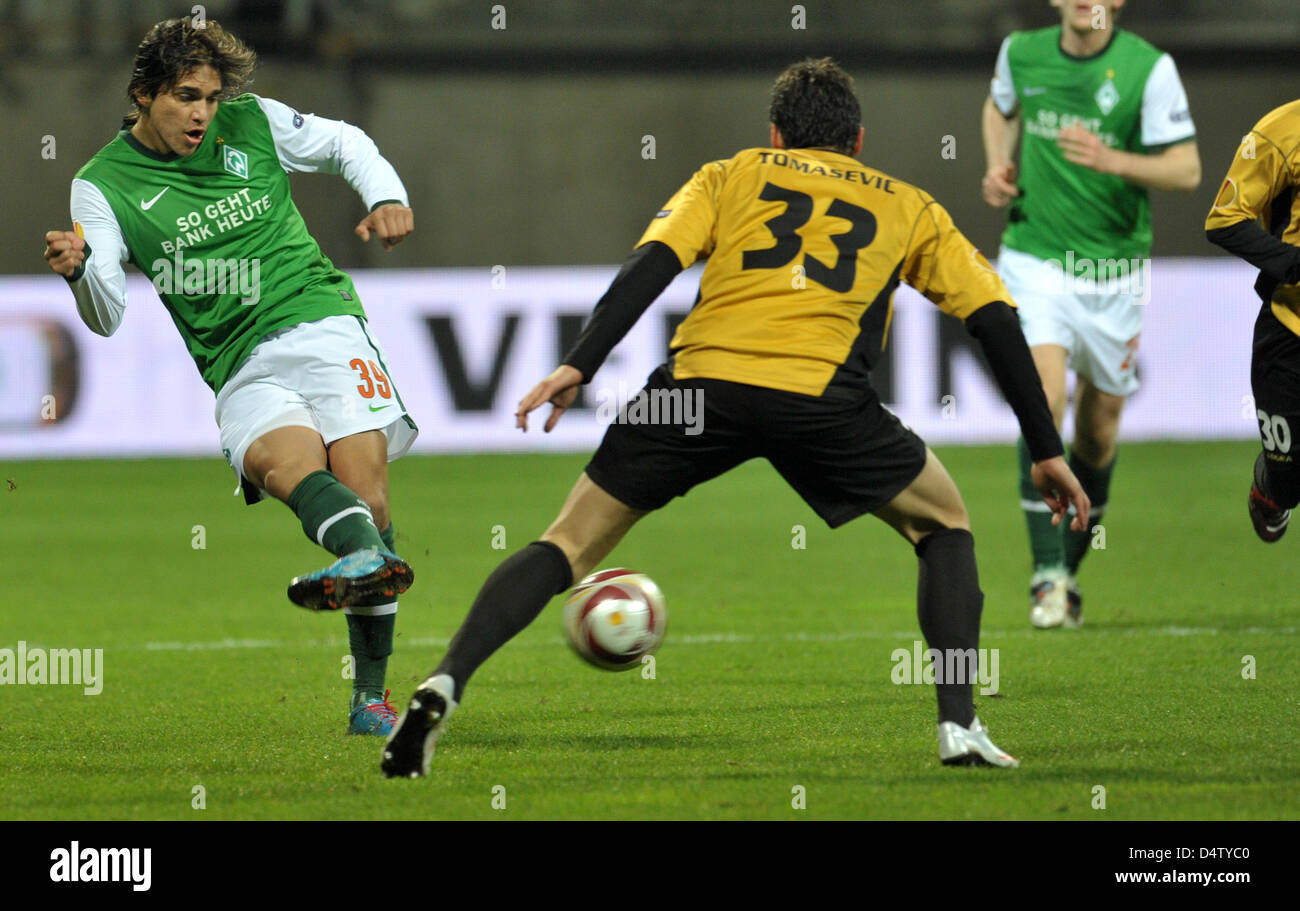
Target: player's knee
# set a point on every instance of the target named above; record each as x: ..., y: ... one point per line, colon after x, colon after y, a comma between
x: 279, y: 478
x: 939, y: 518
x: 1096, y: 429
x: 256, y: 466
x: 955, y: 516
x: 1094, y: 445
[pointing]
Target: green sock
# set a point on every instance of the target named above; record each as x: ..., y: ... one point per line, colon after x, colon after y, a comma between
x: 1044, y: 537
x: 370, y: 639
x: 332, y: 515
x: 1096, y: 484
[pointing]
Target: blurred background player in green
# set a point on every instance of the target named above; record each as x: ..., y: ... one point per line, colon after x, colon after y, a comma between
x: 802, y: 399
x: 1101, y: 118
x: 1255, y: 217
x: 194, y: 191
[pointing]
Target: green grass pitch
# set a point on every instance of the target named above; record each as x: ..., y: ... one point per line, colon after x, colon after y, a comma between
x: 774, y: 680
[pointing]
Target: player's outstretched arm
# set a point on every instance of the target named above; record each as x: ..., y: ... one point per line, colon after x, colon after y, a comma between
x: 309, y: 144
x: 644, y: 275
x: 560, y: 388
x: 944, y: 266
x: 90, y: 258
x: 997, y: 328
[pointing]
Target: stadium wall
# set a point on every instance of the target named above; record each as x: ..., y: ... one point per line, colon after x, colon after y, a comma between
x: 551, y: 168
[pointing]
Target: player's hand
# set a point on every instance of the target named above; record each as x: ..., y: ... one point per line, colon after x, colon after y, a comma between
x: 560, y: 389
x: 999, y: 185
x: 391, y: 222
x: 1060, y: 489
x: 65, y: 251
x: 1085, y: 148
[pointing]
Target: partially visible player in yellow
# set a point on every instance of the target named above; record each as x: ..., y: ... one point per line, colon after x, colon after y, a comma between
x: 805, y: 247
x: 1257, y: 217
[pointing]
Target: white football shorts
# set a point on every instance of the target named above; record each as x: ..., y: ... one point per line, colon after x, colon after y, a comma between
x: 330, y: 375
x: 1097, y: 322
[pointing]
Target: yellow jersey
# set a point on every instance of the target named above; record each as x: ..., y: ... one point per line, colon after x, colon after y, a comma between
x: 805, y: 248
x: 1261, y: 186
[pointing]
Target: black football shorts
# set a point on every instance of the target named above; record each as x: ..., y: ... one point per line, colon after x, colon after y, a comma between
x: 1275, y: 382
x: 844, y: 455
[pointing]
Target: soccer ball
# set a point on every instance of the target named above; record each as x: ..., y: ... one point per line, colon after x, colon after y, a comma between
x: 614, y: 617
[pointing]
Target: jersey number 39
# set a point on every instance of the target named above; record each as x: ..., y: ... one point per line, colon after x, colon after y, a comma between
x: 370, y: 384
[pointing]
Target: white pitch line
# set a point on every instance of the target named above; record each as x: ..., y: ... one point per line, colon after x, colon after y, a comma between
x: 746, y: 638
x: 205, y: 646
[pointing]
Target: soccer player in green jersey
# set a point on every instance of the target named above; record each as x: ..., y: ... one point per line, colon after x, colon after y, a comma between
x: 1101, y: 118
x: 194, y: 191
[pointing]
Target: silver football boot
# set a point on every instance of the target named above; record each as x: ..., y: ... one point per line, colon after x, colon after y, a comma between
x: 971, y: 746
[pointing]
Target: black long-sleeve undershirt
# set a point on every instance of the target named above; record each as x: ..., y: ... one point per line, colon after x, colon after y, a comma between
x: 644, y: 276
x: 1277, y: 261
x: 997, y: 328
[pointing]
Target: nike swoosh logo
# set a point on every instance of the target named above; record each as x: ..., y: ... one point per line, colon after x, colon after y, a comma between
x: 380, y: 408
x: 149, y: 205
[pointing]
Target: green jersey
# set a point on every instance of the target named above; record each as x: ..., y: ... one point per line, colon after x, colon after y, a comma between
x: 1129, y: 95
x: 217, y: 232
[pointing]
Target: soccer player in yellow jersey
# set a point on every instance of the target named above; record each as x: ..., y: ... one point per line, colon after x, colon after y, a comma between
x: 805, y: 247
x: 1257, y: 217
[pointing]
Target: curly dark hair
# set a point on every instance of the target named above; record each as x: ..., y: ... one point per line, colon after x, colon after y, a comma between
x: 813, y: 105
x: 175, y: 47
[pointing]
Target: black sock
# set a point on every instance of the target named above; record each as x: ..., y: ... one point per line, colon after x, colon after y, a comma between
x: 509, y: 600
x: 1281, y: 483
x: 1095, y: 482
x: 949, y: 603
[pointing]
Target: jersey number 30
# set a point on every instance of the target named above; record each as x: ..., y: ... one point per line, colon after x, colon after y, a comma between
x: 1275, y: 431
x: 798, y: 209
